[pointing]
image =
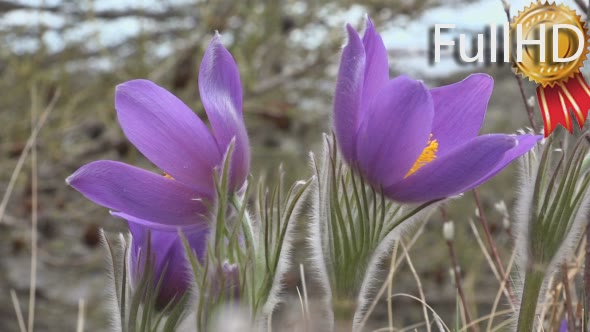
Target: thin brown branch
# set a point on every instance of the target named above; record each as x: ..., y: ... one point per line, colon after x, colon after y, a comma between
x: 530, y: 109
x: 583, y: 6
x: 493, y: 247
x: 457, y: 275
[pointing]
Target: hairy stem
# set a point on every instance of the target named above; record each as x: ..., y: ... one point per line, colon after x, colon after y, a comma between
x: 246, y: 222
x: 528, y: 304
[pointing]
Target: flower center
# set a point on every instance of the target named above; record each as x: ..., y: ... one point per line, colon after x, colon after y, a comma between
x: 427, y: 155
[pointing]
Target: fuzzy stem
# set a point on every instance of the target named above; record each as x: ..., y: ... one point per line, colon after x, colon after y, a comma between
x: 344, y: 310
x: 246, y: 222
x: 528, y: 305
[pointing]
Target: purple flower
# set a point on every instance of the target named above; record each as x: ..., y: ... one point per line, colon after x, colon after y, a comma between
x: 169, y: 256
x: 175, y: 139
x: 415, y: 144
x: 563, y: 325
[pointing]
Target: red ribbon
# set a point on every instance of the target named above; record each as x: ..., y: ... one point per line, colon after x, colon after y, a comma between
x: 557, y: 101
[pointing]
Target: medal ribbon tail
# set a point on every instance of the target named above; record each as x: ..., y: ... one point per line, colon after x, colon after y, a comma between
x: 577, y: 94
x: 557, y: 101
x: 553, y: 109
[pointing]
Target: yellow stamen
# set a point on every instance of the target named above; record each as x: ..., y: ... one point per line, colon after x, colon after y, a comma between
x: 167, y: 176
x: 428, y: 155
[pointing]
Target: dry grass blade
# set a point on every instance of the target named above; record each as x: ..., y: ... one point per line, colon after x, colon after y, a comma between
x: 394, y: 266
x: 489, y: 317
x: 492, y: 244
x: 81, y: 313
x: 441, y: 324
x: 500, y: 291
x: 23, y: 156
x: 382, y: 290
x: 302, y: 304
x: 502, y: 326
x: 571, y: 318
x: 419, y: 285
x: 390, y: 290
x: 34, y: 217
x: 305, y: 298
x: 483, y: 248
x: 19, y: 314
x: 465, y: 315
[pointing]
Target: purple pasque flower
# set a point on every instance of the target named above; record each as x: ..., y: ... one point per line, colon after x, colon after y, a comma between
x: 414, y: 143
x: 175, y: 139
x: 169, y: 255
x: 563, y: 326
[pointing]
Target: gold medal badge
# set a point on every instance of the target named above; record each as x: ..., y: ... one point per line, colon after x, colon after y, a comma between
x: 561, y: 86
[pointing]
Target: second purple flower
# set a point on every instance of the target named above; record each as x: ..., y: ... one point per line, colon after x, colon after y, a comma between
x: 414, y: 143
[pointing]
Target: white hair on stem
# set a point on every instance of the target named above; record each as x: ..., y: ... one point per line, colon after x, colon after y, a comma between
x: 284, y: 260
x: 371, y: 281
x: 115, y: 257
x: 538, y: 196
x: 318, y: 235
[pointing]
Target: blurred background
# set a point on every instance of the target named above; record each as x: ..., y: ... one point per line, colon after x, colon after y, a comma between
x: 69, y: 55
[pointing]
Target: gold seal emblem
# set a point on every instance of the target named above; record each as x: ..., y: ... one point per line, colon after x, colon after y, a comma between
x: 550, y: 44
x: 546, y: 16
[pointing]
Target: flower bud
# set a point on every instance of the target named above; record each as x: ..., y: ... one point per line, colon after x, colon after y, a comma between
x: 501, y: 208
x: 449, y: 230
x: 506, y: 223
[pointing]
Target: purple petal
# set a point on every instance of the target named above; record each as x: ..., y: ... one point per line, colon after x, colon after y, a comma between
x: 377, y: 66
x: 167, y: 132
x: 221, y: 94
x: 395, y: 131
x: 169, y: 255
x: 459, y: 110
x: 525, y: 143
x: 347, y: 98
x: 139, y: 193
x: 457, y: 171
x: 563, y: 326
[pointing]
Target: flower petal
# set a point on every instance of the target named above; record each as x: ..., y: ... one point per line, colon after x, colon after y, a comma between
x: 395, y: 131
x: 170, y: 257
x: 525, y: 143
x: 459, y: 110
x: 458, y: 170
x: 377, y: 64
x: 348, y: 95
x: 167, y: 132
x: 139, y: 193
x: 221, y: 94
